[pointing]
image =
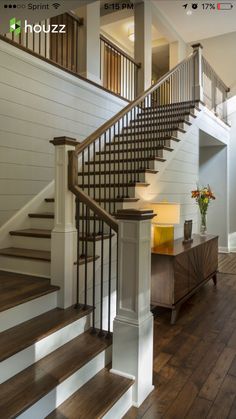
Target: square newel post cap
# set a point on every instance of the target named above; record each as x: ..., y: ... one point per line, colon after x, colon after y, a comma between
x: 64, y: 141
x: 197, y: 46
x: 134, y: 214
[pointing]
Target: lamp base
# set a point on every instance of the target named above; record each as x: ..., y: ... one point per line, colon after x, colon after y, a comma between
x: 163, y: 234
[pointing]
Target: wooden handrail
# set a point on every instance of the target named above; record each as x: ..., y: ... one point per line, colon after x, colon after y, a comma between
x: 84, y: 198
x: 119, y: 50
x: 96, y: 134
x: 226, y: 88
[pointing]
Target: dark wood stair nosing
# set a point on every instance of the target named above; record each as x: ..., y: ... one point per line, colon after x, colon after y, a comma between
x: 80, y: 350
x: 25, y: 334
x: 91, y: 395
x: 37, y: 233
x: 49, y: 215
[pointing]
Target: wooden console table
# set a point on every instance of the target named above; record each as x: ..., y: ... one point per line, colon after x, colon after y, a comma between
x: 179, y: 270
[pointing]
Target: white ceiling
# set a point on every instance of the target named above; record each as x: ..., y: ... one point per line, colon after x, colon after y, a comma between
x: 201, y: 23
x: 118, y: 31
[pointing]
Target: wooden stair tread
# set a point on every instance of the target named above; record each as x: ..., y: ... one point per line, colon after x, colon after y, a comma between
x: 26, y: 253
x: 143, y: 140
x: 137, y: 149
x: 115, y: 185
x: 127, y: 160
x: 22, y: 336
x: 106, y: 172
x: 95, y: 398
x: 41, y: 215
x: 82, y: 259
x: 117, y: 200
x: 156, y: 123
x: 32, y: 232
x: 129, y: 134
x: 49, y: 200
x: 97, y: 237
x: 26, y: 388
x: 18, y: 289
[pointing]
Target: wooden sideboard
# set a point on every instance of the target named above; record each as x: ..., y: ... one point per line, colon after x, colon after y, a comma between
x: 179, y: 270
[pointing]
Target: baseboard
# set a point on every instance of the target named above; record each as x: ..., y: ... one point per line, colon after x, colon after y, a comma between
x: 223, y: 249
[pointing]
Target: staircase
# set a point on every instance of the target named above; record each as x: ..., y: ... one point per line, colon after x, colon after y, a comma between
x: 55, y: 362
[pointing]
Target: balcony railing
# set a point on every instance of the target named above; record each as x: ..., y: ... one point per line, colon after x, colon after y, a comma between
x: 118, y: 71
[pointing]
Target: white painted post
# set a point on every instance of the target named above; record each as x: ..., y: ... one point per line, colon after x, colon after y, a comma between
x: 198, y: 82
x: 89, y: 42
x: 143, y: 44
x: 133, y: 325
x: 63, y: 239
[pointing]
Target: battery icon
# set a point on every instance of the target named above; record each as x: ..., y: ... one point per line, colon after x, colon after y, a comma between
x: 224, y: 6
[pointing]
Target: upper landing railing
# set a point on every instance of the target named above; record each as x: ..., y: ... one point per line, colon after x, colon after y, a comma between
x: 118, y: 71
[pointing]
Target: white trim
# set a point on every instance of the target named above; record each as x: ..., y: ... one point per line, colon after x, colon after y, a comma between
x: 223, y: 249
x: 122, y: 374
x: 64, y: 390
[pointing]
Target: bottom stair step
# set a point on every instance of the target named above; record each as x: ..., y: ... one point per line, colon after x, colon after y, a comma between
x: 37, y: 390
x: 96, y: 398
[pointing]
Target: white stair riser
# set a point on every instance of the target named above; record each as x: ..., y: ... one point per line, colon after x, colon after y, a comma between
x: 157, y: 119
x: 130, y: 155
x: 121, y: 407
x: 49, y: 206
x: 25, y: 266
x: 34, y: 243
x: 26, y: 311
x: 42, y: 223
x: 68, y: 387
x: 129, y: 145
x: 110, y: 192
x: 45, y: 346
x: 127, y: 165
x: 157, y: 126
x: 113, y: 178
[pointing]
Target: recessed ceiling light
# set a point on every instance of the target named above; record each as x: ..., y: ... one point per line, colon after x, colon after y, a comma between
x: 189, y: 12
x: 131, y: 35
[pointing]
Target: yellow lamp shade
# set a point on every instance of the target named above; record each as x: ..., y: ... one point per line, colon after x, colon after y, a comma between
x: 168, y: 213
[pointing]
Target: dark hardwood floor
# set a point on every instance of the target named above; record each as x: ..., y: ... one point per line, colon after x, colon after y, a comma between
x: 195, y: 359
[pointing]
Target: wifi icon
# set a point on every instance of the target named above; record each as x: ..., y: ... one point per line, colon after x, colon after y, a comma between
x: 56, y: 5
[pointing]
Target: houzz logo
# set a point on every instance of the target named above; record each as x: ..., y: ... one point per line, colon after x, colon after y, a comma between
x: 17, y: 28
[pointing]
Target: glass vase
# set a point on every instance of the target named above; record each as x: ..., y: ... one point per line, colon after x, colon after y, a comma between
x: 203, y: 227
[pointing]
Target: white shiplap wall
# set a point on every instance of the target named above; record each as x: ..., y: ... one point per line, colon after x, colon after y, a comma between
x: 39, y: 102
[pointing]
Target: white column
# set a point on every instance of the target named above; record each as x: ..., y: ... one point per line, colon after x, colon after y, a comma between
x: 89, y: 42
x: 133, y: 325
x: 63, y: 239
x: 198, y: 83
x: 177, y: 53
x: 143, y: 44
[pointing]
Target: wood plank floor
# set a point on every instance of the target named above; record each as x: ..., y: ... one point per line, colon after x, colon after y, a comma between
x: 194, y: 369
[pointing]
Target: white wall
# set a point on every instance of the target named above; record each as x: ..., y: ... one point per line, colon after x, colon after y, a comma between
x: 232, y: 173
x: 220, y: 51
x: 214, y: 170
x: 39, y: 102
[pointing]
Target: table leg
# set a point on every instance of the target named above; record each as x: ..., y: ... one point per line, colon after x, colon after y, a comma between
x: 174, y: 315
x: 214, y: 278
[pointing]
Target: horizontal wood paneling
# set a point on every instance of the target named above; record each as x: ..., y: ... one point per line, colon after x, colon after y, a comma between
x: 39, y: 102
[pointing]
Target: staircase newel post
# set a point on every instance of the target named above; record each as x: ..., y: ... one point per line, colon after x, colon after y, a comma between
x: 133, y: 325
x: 198, y: 73
x: 63, y: 238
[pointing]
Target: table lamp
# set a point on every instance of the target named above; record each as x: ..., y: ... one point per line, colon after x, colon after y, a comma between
x: 168, y: 214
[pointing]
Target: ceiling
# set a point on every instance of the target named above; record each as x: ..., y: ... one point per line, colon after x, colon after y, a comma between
x: 201, y: 23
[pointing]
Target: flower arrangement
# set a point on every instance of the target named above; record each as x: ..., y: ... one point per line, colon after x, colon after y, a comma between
x: 203, y: 196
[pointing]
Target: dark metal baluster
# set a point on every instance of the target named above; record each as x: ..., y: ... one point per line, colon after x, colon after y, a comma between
x: 109, y: 283
x: 101, y: 333
x: 86, y: 258
x: 109, y: 170
x: 77, y: 203
x: 94, y: 273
